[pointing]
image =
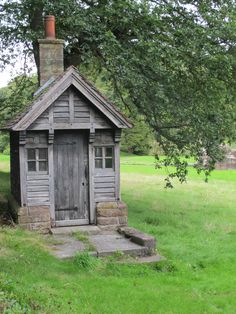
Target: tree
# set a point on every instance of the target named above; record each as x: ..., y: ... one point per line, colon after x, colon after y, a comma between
x: 15, y: 96
x: 139, y: 139
x: 172, y: 61
x: 19, y: 92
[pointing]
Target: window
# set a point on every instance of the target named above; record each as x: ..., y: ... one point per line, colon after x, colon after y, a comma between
x: 104, y: 157
x: 37, y: 159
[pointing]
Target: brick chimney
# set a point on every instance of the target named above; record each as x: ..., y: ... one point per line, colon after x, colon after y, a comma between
x: 51, y: 61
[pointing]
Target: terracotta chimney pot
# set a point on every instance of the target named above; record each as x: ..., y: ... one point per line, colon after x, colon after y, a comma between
x: 49, y: 24
x: 51, y: 59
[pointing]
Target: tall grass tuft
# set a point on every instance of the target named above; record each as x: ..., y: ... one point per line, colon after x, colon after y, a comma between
x: 85, y: 261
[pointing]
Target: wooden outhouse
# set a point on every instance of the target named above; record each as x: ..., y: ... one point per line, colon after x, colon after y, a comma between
x: 65, y: 149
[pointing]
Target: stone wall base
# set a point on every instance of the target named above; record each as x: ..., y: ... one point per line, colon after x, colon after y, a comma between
x: 111, y: 214
x: 35, y: 218
x: 32, y: 217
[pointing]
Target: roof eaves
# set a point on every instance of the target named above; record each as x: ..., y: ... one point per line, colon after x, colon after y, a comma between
x: 110, y: 106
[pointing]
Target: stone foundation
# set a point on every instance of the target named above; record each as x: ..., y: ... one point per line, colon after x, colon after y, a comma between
x: 35, y: 218
x: 111, y: 214
x: 31, y: 217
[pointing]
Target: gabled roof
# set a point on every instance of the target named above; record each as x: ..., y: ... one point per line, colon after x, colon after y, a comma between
x: 46, y: 96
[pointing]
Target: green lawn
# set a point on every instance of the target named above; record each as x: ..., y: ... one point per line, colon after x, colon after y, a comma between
x: 130, y: 159
x: 194, y: 224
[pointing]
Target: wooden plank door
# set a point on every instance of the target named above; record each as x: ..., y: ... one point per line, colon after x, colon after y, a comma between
x: 70, y: 178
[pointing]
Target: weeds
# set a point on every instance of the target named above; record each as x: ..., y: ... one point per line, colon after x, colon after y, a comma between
x: 85, y: 261
x: 165, y: 267
x: 85, y: 239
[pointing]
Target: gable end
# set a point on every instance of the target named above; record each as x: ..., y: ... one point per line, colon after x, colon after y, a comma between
x: 71, y: 111
x: 71, y: 77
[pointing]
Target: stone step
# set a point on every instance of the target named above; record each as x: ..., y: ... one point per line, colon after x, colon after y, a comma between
x: 105, y: 244
x: 66, y: 246
x: 139, y: 237
x: 109, y: 244
x: 127, y: 241
x: 88, y: 229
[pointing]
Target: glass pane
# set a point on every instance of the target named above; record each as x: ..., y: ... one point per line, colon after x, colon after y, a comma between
x: 109, y: 163
x: 43, y: 166
x: 43, y: 153
x: 98, y: 151
x: 31, y: 154
x: 109, y: 151
x: 31, y: 165
x: 98, y: 163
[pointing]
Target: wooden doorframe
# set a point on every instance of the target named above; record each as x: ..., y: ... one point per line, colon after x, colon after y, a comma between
x: 91, y: 208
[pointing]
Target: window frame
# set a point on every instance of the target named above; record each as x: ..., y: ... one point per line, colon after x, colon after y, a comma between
x: 103, y: 157
x: 37, y: 160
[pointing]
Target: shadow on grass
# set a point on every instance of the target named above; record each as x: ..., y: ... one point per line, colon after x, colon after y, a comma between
x: 4, y: 183
x: 6, y: 215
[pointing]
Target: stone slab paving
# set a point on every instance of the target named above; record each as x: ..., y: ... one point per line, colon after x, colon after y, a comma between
x: 89, y: 229
x: 66, y: 246
x: 108, y: 244
x: 105, y: 242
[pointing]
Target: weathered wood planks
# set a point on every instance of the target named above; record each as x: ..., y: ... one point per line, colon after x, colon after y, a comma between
x: 71, y: 110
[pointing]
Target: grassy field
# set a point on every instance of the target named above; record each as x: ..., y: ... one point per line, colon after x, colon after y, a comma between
x: 194, y: 224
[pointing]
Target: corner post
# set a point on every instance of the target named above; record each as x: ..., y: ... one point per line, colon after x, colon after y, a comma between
x: 22, y: 142
x: 117, y: 139
x: 51, y: 175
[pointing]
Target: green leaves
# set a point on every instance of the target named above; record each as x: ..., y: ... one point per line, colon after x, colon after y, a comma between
x: 16, y: 96
x: 172, y: 62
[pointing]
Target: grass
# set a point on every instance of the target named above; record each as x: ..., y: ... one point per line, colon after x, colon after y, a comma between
x: 194, y: 224
x: 130, y: 159
x: 85, y: 239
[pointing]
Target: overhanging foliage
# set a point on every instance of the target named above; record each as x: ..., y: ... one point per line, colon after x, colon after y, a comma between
x: 172, y: 61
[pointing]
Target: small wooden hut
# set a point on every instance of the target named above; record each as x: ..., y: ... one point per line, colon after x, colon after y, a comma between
x: 65, y: 149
